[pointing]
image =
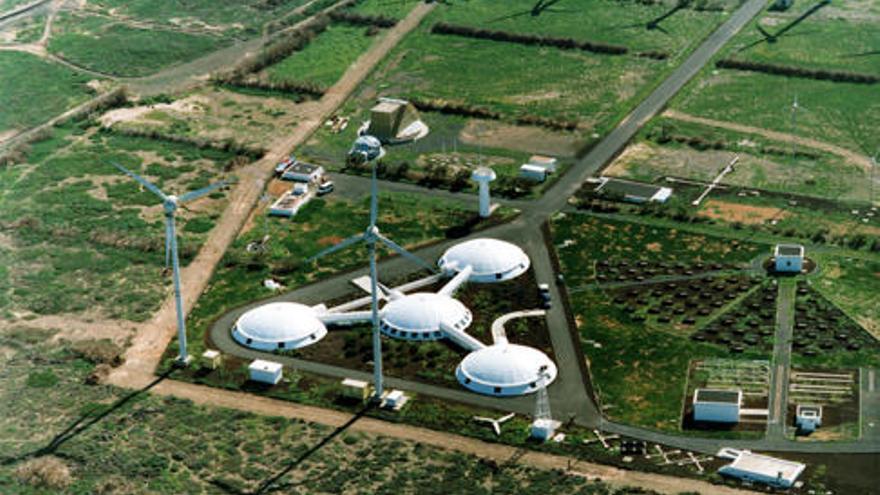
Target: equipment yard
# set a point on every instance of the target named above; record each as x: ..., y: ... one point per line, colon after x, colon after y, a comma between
x: 459, y: 247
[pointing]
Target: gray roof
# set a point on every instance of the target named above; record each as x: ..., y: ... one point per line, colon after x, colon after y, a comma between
x: 726, y: 396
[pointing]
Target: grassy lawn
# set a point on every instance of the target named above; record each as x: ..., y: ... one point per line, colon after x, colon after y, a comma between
x: 763, y: 163
x: 614, y: 22
x: 397, y: 9
x: 163, y: 445
x: 846, y: 282
x: 228, y: 18
x: 325, y: 59
x: 25, y: 78
x: 8, y: 5
x: 79, y: 236
x: 118, y: 49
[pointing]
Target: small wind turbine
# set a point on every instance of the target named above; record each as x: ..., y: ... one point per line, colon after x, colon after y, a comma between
x: 496, y: 423
x: 171, y: 203
x: 368, y: 149
x: 795, y: 106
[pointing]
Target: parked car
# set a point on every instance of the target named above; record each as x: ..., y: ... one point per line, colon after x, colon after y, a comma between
x: 544, y: 292
x: 325, y: 187
x: 285, y: 164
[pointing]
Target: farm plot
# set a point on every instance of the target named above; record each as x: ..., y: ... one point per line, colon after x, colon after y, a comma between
x: 836, y: 391
x: 840, y: 37
x: 80, y: 236
x: 25, y: 78
x: 825, y: 334
x: 214, y: 114
x: 589, y: 246
x: 748, y: 324
x: 845, y: 281
x: 607, y: 21
x: 121, y: 49
x: 684, y: 150
x: 750, y: 377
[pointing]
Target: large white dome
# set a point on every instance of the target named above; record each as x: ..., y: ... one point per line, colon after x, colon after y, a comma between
x: 504, y: 369
x: 492, y: 260
x: 280, y: 325
x: 419, y: 315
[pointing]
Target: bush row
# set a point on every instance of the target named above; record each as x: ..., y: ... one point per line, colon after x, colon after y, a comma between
x: 528, y: 39
x: 278, y: 50
x: 801, y: 72
x: 228, y: 145
x: 461, y: 109
x: 362, y: 19
x: 702, y: 143
x: 293, y: 87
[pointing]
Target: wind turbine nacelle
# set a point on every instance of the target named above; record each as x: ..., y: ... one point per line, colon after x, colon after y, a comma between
x: 366, y: 148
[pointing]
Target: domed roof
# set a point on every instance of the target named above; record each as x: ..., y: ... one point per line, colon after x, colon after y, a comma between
x: 504, y: 369
x: 488, y: 258
x: 424, y: 311
x: 280, y: 322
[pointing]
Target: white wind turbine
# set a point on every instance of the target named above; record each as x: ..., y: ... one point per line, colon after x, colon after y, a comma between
x: 171, y: 203
x: 495, y: 422
x: 371, y: 236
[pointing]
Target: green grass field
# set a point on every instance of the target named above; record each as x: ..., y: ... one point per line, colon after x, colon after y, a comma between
x: 79, y: 236
x: 25, y: 78
x: 114, y: 48
x: 397, y: 9
x: 614, y: 22
x: 325, y: 59
x: 846, y: 281
x: 8, y: 5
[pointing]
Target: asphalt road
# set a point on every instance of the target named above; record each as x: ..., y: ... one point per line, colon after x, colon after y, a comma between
x: 781, y: 362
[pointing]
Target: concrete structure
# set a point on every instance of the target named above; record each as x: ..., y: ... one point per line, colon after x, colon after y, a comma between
x: 491, y: 260
x: 633, y: 192
x: 303, y: 172
x: 483, y: 176
x: 211, y: 359
x: 280, y: 325
x: 395, y: 400
x: 548, y: 163
x: 356, y: 389
x: 265, y: 371
x: 789, y: 258
x: 808, y: 417
x: 533, y: 172
x: 717, y: 406
x: 395, y: 121
x: 760, y: 468
x: 504, y: 370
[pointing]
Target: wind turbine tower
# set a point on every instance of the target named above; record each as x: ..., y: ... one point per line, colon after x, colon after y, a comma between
x: 367, y: 149
x: 171, y: 203
x: 483, y: 176
x: 543, y: 426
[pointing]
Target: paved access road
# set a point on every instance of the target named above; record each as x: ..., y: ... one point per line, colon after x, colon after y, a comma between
x: 781, y: 363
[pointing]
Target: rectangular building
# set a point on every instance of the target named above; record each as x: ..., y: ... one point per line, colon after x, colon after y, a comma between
x: 717, y: 406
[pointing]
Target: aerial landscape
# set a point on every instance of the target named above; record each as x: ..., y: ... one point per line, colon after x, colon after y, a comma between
x: 439, y: 246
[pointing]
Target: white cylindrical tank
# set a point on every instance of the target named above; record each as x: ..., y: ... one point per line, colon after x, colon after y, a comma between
x: 483, y: 176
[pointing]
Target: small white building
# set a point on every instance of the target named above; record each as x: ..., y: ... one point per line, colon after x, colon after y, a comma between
x: 544, y: 429
x: 395, y: 400
x: 533, y: 172
x: 303, y: 172
x: 265, y: 371
x: 808, y: 417
x: 211, y: 359
x: 356, y: 389
x: 759, y: 468
x: 717, y: 406
x: 789, y: 258
x: 633, y: 192
x: 548, y: 163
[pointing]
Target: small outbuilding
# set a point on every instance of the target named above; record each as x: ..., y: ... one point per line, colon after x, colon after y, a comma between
x: 356, y: 389
x: 633, y: 192
x: 265, y: 371
x: 211, y: 359
x: 717, y: 406
x: 533, y: 172
x: 395, y: 121
x: 789, y: 258
x: 759, y: 468
x: 548, y: 163
x: 303, y: 172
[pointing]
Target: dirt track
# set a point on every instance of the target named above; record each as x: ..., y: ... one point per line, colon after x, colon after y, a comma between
x: 850, y: 156
x: 499, y: 453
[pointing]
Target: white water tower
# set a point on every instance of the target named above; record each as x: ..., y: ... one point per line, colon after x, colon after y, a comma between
x: 483, y: 176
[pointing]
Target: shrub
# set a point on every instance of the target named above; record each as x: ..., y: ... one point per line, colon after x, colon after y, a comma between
x: 45, y: 472
x: 528, y: 39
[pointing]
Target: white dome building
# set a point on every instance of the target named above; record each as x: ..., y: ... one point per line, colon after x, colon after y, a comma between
x: 280, y: 325
x: 504, y: 370
x: 419, y: 316
x: 492, y: 260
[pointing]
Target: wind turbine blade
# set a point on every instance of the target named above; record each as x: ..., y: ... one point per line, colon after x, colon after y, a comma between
x: 505, y: 418
x: 485, y: 420
x: 403, y: 252
x: 374, y: 199
x: 144, y: 182
x: 337, y: 247
x: 198, y: 193
x: 497, y: 429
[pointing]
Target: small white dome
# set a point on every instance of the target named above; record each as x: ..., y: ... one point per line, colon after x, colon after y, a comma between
x: 281, y: 325
x: 419, y: 315
x: 504, y: 369
x: 492, y: 260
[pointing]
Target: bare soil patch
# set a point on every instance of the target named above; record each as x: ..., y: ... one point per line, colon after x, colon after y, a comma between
x: 745, y: 214
x: 519, y: 138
